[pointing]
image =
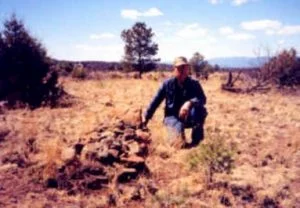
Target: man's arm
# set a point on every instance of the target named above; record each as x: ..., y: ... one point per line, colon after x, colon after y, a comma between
x: 157, y: 99
x: 200, y: 98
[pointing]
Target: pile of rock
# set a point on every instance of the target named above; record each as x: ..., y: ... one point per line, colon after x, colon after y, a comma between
x: 115, y: 154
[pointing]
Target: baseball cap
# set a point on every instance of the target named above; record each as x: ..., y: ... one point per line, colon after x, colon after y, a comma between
x: 179, y: 61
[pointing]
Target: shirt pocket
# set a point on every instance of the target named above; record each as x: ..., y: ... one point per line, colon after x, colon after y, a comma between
x: 170, y: 97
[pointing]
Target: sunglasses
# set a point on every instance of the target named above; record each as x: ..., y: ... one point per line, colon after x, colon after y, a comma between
x: 181, y: 67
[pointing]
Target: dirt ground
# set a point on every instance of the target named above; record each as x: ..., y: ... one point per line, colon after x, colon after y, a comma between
x: 260, y: 132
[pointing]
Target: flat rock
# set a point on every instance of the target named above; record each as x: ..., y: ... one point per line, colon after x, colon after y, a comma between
x: 142, y: 135
x: 92, y: 151
x: 133, y: 159
x: 129, y: 134
x: 4, y: 131
x: 133, y: 117
x: 96, y: 183
x: 113, y: 152
x: 68, y: 154
x: 94, y: 170
x: 106, y: 134
x: 134, y: 148
x: 126, y: 175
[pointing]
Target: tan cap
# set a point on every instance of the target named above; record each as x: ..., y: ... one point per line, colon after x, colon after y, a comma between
x: 179, y: 61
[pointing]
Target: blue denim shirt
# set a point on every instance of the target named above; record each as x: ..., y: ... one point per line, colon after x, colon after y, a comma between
x: 176, y: 96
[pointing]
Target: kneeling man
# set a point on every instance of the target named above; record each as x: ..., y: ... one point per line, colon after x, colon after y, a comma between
x: 184, y: 104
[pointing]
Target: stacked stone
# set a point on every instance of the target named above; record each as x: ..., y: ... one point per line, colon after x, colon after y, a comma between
x: 117, y: 154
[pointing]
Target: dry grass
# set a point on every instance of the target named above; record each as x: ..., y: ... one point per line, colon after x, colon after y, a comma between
x: 264, y: 128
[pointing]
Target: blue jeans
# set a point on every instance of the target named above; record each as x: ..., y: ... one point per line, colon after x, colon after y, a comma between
x: 195, y: 120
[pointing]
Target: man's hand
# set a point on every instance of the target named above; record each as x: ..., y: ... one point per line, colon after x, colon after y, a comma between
x: 144, y: 122
x: 184, y: 110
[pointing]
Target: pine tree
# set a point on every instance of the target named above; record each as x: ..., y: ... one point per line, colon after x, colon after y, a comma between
x: 139, y: 48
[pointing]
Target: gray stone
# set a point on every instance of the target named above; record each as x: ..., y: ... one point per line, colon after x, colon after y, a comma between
x: 4, y: 131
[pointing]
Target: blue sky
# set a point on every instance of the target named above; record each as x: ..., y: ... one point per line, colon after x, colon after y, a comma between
x: 90, y: 30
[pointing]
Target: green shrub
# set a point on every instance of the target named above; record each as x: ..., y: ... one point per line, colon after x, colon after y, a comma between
x: 25, y: 74
x: 64, y: 68
x: 79, y: 72
x: 282, y: 69
x: 215, y: 156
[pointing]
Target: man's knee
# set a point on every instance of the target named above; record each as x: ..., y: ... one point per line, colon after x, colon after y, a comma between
x: 197, y: 115
x: 200, y: 111
x: 174, y: 124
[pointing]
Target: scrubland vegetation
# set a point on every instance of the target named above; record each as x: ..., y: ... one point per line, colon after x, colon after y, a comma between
x: 85, y: 148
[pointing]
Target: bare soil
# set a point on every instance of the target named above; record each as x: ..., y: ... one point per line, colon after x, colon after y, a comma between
x: 91, y: 151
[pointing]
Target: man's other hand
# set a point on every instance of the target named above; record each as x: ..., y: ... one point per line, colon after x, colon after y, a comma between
x: 144, y: 121
x: 184, y: 110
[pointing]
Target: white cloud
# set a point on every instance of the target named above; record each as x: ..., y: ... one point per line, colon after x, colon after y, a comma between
x: 215, y: 1
x: 192, y: 31
x: 102, y: 36
x: 226, y: 30
x: 185, y: 40
x: 270, y: 32
x: 241, y: 36
x: 281, y: 42
x: 233, y: 2
x: 159, y: 34
x: 261, y: 25
x: 169, y: 23
x: 289, y: 30
x: 152, y: 12
x: 271, y: 27
x: 231, y: 34
x: 171, y: 47
x: 239, y: 2
x: 134, y: 14
x: 111, y: 52
x: 212, y: 39
x: 130, y: 13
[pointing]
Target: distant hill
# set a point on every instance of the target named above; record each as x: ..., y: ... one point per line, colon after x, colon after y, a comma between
x: 103, y: 65
x: 238, y: 62
x: 223, y: 62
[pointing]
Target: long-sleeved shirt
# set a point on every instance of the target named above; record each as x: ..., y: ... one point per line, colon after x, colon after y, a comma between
x: 176, y: 96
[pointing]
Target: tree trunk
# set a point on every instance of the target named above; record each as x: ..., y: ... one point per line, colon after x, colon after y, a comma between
x: 229, y: 80
x: 140, y: 66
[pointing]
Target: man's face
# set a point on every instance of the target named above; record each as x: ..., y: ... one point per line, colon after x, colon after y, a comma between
x: 181, y: 72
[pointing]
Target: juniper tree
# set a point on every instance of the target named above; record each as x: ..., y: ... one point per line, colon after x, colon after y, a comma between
x: 139, y: 48
x: 25, y: 73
